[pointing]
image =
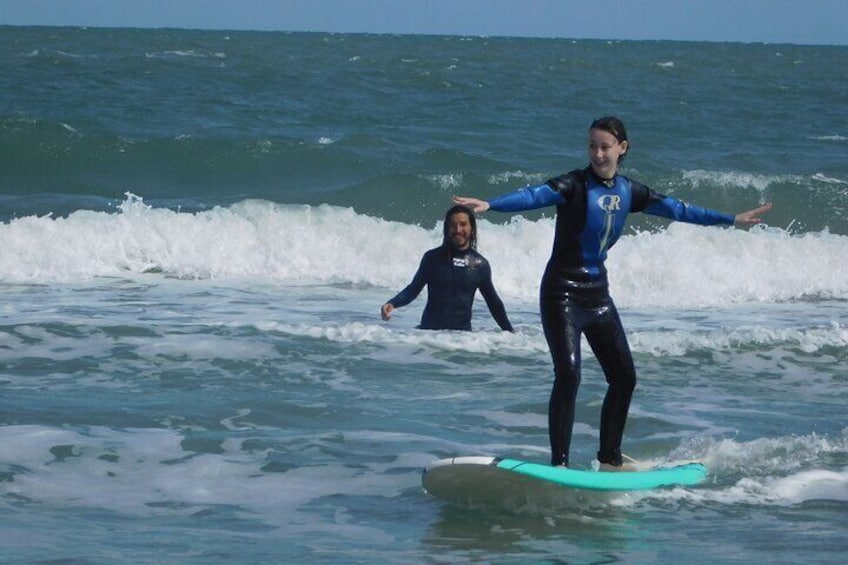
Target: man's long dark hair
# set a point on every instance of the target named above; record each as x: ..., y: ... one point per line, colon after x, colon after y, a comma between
x: 459, y: 209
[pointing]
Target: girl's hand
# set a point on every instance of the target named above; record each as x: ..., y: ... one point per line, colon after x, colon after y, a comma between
x: 475, y: 204
x: 751, y: 217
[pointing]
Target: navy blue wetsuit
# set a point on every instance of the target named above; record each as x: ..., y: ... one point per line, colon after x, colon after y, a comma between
x: 452, y: 278
x: 574, y: 294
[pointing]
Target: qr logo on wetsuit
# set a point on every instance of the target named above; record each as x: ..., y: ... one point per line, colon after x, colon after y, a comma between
x: 610, y: 202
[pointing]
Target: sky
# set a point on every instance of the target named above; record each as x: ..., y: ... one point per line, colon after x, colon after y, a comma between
x: 819, y: 22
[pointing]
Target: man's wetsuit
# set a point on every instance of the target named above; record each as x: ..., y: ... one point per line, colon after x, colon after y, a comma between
x: 574, y: 294
x: 452, y: 277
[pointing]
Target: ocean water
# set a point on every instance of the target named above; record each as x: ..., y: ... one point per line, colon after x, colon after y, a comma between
x: 199, y: 227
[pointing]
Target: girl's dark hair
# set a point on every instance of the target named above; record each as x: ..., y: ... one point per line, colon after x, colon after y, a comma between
x: 614, y: 126
x: 459, y: 209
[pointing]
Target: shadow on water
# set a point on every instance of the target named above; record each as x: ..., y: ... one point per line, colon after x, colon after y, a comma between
x: 535, y: 530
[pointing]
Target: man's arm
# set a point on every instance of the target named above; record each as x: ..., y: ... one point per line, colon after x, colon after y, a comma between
x: 493, y: 301
x: 408, y: 294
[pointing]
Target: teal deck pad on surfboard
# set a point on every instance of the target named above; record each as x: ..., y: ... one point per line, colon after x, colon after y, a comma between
x: 493, y: 479
x: 684, y: 475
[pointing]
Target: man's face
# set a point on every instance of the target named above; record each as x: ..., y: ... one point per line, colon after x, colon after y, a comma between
x: 459, y: 229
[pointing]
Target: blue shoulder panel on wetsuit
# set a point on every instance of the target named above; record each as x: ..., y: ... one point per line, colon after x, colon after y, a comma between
x: 527, y: 198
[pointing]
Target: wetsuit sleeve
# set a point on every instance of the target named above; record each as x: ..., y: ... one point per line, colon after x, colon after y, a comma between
x: 527, y: 198
x: 493, y: 301
x: 650, y: 202
x: 414, y: 288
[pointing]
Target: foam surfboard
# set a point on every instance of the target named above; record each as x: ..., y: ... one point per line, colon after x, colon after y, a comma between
x: 512, y: 482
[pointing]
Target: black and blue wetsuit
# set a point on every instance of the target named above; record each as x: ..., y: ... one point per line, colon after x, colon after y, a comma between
x: 574, y: 294
x: 452, y: 278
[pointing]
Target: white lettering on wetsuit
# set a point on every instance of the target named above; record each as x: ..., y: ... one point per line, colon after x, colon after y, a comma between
x: 609, y: 203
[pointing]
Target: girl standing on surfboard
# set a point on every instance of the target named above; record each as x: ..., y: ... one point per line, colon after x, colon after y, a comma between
x: 592, y: 206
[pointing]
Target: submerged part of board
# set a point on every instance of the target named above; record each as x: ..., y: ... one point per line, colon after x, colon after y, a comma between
x: 514, y: 483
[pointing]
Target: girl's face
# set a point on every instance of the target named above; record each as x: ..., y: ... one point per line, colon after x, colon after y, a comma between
x: 605, y: 151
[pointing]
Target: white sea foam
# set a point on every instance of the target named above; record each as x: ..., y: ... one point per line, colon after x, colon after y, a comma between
x: 735, y: 179
x: 528, y: 338
x: 820, y: 177
x: 149, y: 472
x: 830, y: 138
x: 782, y: 471
x: 681, y: 266
x: 485, y: 342
x: 153, y: 472
x: 680, y: 342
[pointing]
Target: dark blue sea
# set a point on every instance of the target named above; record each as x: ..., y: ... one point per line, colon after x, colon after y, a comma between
x: 197, y: 230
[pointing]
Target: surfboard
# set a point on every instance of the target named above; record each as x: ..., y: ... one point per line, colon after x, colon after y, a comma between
x: 513, y: 482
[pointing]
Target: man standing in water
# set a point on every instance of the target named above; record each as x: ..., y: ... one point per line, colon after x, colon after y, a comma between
x: 452, y: 272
